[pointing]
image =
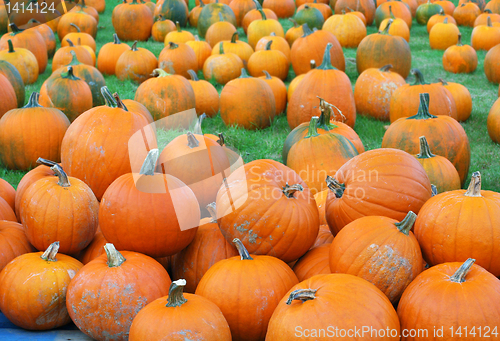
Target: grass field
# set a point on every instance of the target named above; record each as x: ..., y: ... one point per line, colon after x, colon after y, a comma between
x: 268, y: 143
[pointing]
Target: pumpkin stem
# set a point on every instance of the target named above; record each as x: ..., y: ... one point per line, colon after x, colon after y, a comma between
x: 425, y: 151
x: 175, y: 294
x: 327, y: 64
x: 441, y: 12
x: 307, y: 30
x: 313, y: 131
x: 172, y: 45
x: 244, y: 73
x: 11, y: 46
x: 406, y: 224
x: 77, y: 28
x: 69, y: 74
x: 423, y: 109
x: 199, y: 121
x: 289, y: 191
x: 262, y: 13
x: 294, y: 22
x: 115, y: 258
x: 244, y: 255
x: 234, y: 37
x: 335, y: 186
x: 71, y: 44
x: 487, y: 11
x: 390, y: 13
x: 488, y: 21
x: 474, y: 189
x: 273, y: 34
x: 220, y: 17
x: 222, y: 140
x: 192, y: 141
x: 312, y: 63
x: 386, y: 68
x: 178, y: 26
x: 116, y: 40
x: 51, y: 252
x: 119, y: 102
x: 443, y: 81
x: 386, y: 29
x: 221, y: 48
x: 108, y: 97
x: 63, y: 177
x: 15, y: 29
x: 160, y: 73
x: 134, y: 46
x: 268, y: 45
x: 211, y: 208
x: 434, y: 190
x: 268, y: 76
x: 419, y: 77
x: 324, y: 119
x: 33, y: 102
x: 45, y: 162
x: 302, y: 295
x: 463, y: 270
x: 445, y: 21
x: 149, y: 164
x: 202, y: 4
x: 193, y: 75
x: 74, y: 59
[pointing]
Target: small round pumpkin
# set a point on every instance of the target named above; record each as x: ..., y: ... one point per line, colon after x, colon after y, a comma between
x: 366, y: 7
x: 294, y: 32
x: 263, y: 27
x: 484, y: 37
x: 136, y: 64
x: 83, y: 20
x: 493, y: 122
x: 206, y: 96
x: 178, y: 36
x: 8, y: 193
x: 439, y: 18
x: 109, y: 55
x: 23, y: 60
x: 219, y: 31
x: 254, y: 15
x: 63, y: 56
x: 279, y: 43
x: 393, y: 9
x: 13, y: 242
x: 85, y: 38
x: 222, y: 67
x: 10, y: 72
x: 178, y: 58
x: 238, y: 47
x: 398, y: 28
x: 443, y: 35
x: 462, y: 97
x: 132, y: 21
x: 462, y: 58
x: 482, y: 19
x: 466, y: 14
x: 282, y: 8
x: 273, y: 61
x: 310, y: 16
x: 279, y: 91
x: 348, y: 28
x: 426, y: 11
x: 202, y: 50
x: 161, y: 28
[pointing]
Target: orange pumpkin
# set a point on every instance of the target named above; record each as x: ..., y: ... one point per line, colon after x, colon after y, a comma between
x: 325, y: 236
x: 222, y: 67
x: 46, y: 33
x: 485, y: 37
x: 493, y: 122
x: 13, y: 76
x: 109, y: 55
x: 279, y: 43
x: 161, y: 28
x: 466, y: 14
x: 202, y: 51
x: 462, y: 59
x: 8, y: 99
x: 254, y: 15
x: 240, y: 8
x: 94, y: 249
x: 63, y: 56
x: 262, y: 28
x: 132, y: 21
x: 282, y: 8
x: 462, y: 97
x: 279, y: 91
x: 136, y: 64
x: 398, y: 28
x: 206, y: 96
x: 482, y: 19
x: 314, y: 262
x: 23, y: 60
x: 446, y: 5
x: 136, y: 107
x: 294, y: 32
x: 366, y: 7
x: 238, y: 47
x: 8, y: 193
x: 393, y: 9
x: 178, y: 58
x: 273, y: 61
x: 443, y: 35
x: 83, y: 20
x: 13, y: 241
x: 86, y: 39
x: 178, y: 36
x: 348, y: 28
x: 439, y: 18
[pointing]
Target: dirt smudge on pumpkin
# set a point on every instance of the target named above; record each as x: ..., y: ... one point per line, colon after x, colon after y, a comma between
x: 241, y: 228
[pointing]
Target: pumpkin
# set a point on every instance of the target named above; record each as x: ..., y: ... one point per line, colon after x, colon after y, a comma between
x: 175, y: 10
x: 330, y: 152
x: 493, y: 6
x: 450, y: 286
x: 194, y: 14
x: 379, y: 49
x: 279, y: 43
x: 7, y: 193
x: 4, y: 19
x: 178, y: 58
x: 175, y: 91
x: 28, y: 39
x: 237, y: 109
x: 47, y: 270
x: 8, y: 99
x: 301, y: 312
x: 356, y: 13
x: 356, y: 187
x: 98, y: 168
x: 294, y: 32
x: 439, y: 18
x: 279, y: 91
x: 255, y: 14
x: 20, y: 127
x: 135, y: 107
x: 480, y: 3
x: 222, y: 67
x: 46, y: 33
x: 282, y: 8
x: 381, y: 250
x: 325, y: 236
x: 132, y: 21
x: 242, y: 7
x: 439, y: 169
x: 109, y: 55
x: 485, y: 37
x: 447, y: 6
x: 393, y: 9
x: 178, y: 36
x: 443, y: 226
x: 263, y: 27
x: 314, y: 262
x: 169, y: 228
x: 188, y: 316
x: 466, y: 14
x: 303, y: 2
x: 124, y: 283
x: 6, y: 211
x: 85, y: 38
x: 10, y: 72
x: 405, y: 103
x: 326, y: 82
x: 231, y: 278
x: 238, y: 47
x: 193, y: 262
x: 490, y: 65
x: 83, y: 20
x: 206, y: 96
x: 94, y: 249
x: 462, y: 97
x: 426, y: 11
x: 161, y: 28
x: 463, y: 59
x: 405, y: 132
x: 220, y: 31
x: 13, y: 241
x: 63, y: 56
x: 310, y: 16
x: 136, y: 64
x: 373, y: 90
x: 87, y: 9
x: 493, y: 122
x: 348, y: 29
x: 23, y: 60
x: 279, y: 189
x: 482, y: 19
x: 273, y: 61
x: 443, y: 35
x: 235, y: 159
x: 197, y: 161
x: 398, y: 28
x: 210, y: 14
x: 202, y: 50
x: 324, y: 8
x: 366, y: 7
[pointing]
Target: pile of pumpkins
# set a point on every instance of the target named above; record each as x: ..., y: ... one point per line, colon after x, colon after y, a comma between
x: 131, y: 242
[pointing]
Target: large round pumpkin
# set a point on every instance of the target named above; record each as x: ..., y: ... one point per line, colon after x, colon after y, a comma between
x: 107, y: 293
x: 13, y: 242
x: 264, y: 221
x: 14, y: 76
x: 136, y: 64
x: 132, y: 21
x: 175, y: 10
x: 210, y: 14
x: 109, y: 55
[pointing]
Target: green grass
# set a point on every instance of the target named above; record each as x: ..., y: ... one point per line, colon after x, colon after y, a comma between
x: 268, y: 143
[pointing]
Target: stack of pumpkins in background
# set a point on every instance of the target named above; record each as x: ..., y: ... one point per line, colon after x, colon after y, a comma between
x: 135, y: 243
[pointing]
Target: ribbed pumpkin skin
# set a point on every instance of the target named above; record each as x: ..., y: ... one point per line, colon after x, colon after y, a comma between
x: 432, y: 292
x: 491, y: 68
x: 350, y: 301
x: 366, y: 7
x: 240, y: 8
x: 253, y: 15
x: 12, y: 74
x: 228, y: 280
x: 109, y: 55
x: 202, y: 51
x: 439, y: 18
x: 206, y: 98
x: 238, y: 47
x: 136, y: 64
x: 348, y: 28
x: 132, y: 21
x: 63, y: 56
x: 28, y: 179
x: 426, y: 11
x: 314, y: 262
x: 257, y: 223
x: 210, y: 15
x: 134, y: 106
x: 122, y: 291
x: 38, y: 309
x: 493, y: 122
x: 374, y: 249
x: 175, y: 10
x: 207, y: 248
x: 393, y: 172
x: 279, y: 43
x: 443, y: 35
x: 282, y: 8
x: 13, y: 242
x: 7, y: 193
x: 279, y: 90
x: 94, y: 249
x: 441, y: 173
x: 6, y: 212
x: 273, y: 61
x: 31, y: 40
x: 25, y: 63
x: 373, y: 91
x: 462, y: 59
x: 398, y: 9
x: 8, y: 99
x: 178, y: 59
x: 466, y: 14
x: 443, y: 229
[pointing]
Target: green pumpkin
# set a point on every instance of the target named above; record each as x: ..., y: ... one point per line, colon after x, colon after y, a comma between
x: 210, y: 14
x: 310, y: 16
x: 426, y: 11
x: 14, y: 77
x: 175, y: 10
